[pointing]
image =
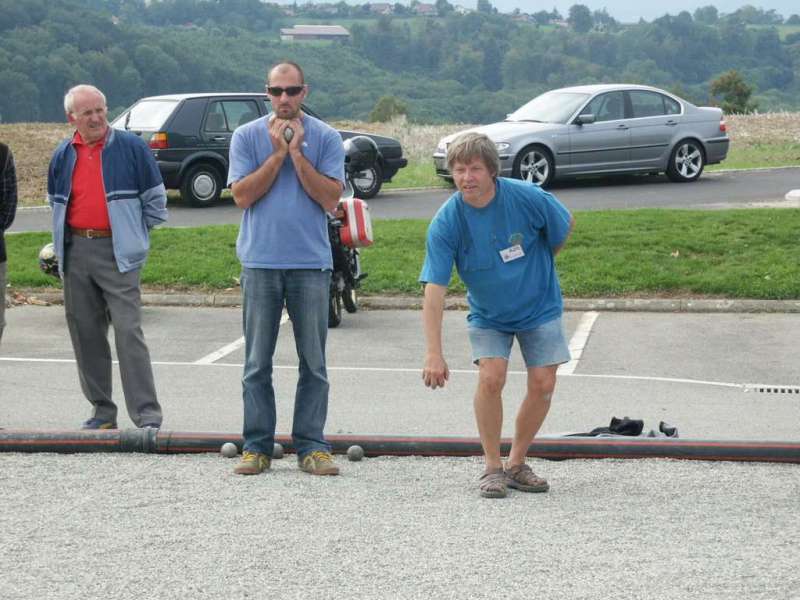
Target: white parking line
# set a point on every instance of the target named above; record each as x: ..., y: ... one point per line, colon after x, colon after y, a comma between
x: 745, y: 387
x: 224, y: 351
x: 209, y: 359
x: 578, y: 342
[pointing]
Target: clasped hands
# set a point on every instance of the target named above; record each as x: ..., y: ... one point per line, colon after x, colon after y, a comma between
x: 277, y: 134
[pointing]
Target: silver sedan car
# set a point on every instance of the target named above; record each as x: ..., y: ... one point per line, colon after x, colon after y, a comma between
x: 600, y: 129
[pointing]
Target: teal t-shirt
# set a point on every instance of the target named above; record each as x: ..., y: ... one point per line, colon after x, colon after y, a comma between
x: 512, y: 295
x: 285, y: 229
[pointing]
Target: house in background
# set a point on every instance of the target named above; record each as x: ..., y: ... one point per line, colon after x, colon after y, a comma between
x: 426, y: 10
x: 314, y: 32
x: 381, y: 8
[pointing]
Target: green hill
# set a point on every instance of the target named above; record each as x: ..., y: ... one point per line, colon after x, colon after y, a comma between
x: 469, y: 68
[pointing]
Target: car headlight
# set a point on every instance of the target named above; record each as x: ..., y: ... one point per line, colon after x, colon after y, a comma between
x: 502, y: 146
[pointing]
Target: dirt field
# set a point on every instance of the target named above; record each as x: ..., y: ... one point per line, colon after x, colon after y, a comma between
x: 33, y: 143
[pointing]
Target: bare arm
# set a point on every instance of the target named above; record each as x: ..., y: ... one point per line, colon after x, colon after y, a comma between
x: 557, y: 249
x: 435, y: 372
x: 320, y: 188
x: 248, y: 190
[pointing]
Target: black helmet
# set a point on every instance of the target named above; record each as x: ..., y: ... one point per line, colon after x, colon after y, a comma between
x: 48, y: 261
x: 360, y: 153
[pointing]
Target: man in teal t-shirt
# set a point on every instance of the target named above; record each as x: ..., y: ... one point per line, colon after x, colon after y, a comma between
x: 502, y: 236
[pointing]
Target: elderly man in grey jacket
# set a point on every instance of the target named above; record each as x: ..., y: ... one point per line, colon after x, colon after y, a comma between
x: 106, y: 193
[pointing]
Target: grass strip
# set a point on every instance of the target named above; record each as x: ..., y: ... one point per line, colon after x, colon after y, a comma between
x: 751, y: 253
x: 756, y: 155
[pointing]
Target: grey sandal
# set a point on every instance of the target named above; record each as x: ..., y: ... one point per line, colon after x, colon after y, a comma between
x: 522, y: 478
x: 492, y: 484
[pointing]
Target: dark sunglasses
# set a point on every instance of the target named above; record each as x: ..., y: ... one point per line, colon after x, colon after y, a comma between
x: 290, y: 91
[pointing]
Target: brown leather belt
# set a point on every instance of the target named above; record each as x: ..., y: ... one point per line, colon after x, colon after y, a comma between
x: 90, y: 233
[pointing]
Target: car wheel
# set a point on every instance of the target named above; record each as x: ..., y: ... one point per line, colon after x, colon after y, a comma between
x: 202, y: 185
x: 334, y: 308
x: 686, y: 161
x: 350, y: 298
x: 534, y: 164
x: 368, y: 183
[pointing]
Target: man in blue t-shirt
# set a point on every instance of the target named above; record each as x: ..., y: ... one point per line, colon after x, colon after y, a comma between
x: 286, y: 171
x: 502, y: 236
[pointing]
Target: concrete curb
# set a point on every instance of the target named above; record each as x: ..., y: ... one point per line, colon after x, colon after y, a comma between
x: 662, y: 305
x: 687, y: 305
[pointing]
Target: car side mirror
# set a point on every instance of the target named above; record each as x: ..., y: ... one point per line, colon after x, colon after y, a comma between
x: 586, y: 119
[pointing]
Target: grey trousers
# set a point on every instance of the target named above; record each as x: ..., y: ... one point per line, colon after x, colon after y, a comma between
x: 96, y: 294
x: 3, y: 266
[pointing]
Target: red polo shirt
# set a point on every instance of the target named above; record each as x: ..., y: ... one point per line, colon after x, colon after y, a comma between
x: 87, y: 208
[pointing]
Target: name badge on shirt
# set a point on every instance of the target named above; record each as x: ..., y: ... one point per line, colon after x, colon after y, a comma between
x: 512, y: 253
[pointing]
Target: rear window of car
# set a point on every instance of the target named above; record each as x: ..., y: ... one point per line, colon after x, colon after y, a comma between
x: 147, y: 115
x: 187, y: 119
x: 651, y: 104
x: 227, y: 115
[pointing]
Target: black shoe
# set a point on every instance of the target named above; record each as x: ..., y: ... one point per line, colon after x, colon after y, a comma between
x: 668, y: 430
x: 150, y: 426
x: 95, y: 423
x: 626, y: 426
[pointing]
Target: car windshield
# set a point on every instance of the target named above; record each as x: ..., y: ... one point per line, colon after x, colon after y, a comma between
x: 551, y: 107
x: 146, y: 115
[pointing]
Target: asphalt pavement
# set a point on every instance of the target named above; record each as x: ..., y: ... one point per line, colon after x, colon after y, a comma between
x: 696, y: 371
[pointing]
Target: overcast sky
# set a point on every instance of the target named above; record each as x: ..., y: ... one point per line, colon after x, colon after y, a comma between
x: 623, y: 10
x: 631, y: 10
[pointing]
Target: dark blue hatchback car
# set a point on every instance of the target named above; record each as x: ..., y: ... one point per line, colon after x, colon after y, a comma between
x: 190, y: 135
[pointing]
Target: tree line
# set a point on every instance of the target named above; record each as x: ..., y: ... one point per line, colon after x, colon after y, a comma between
x: 473, y: 67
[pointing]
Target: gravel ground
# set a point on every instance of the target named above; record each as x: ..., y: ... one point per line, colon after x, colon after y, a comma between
x: 130, y: 526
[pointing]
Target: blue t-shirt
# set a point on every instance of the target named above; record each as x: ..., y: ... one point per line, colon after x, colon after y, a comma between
x: 285, y: 229
x: 508, y: 296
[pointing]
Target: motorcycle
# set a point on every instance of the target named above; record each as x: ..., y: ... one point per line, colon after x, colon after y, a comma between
x: 349, y: 229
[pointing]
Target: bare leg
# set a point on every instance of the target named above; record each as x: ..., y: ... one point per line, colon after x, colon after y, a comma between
x: 532, y: 412
x: 489, y: 408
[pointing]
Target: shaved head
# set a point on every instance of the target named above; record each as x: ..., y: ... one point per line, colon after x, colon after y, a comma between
x: 285, y: 68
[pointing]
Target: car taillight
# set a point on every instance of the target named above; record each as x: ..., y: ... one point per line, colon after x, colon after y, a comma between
x: 159, y: 141
x: 722, y: 126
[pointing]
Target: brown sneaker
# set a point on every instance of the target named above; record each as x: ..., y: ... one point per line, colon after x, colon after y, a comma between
x: 318, y: 462
x: 522, y: 478
x: 492, y: 484
x: 252, y: 463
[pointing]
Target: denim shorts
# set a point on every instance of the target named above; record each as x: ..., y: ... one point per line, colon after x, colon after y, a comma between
x: 543, y: 346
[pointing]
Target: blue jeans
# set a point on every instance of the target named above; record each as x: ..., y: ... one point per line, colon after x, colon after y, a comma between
x: 305, y: 293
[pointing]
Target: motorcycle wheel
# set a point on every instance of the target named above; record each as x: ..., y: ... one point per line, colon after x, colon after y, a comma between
x: 350, y: 298
x: 334, y: 308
